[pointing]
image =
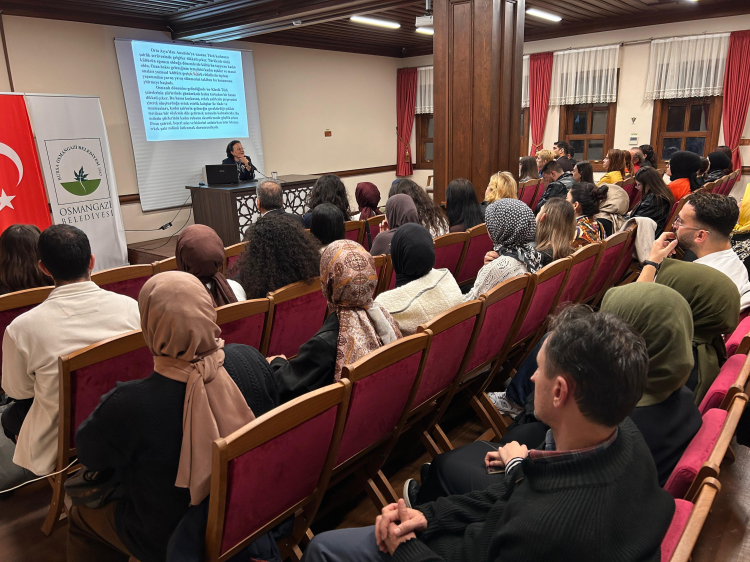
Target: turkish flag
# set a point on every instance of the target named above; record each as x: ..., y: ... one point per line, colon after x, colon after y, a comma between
x: 23, y: 198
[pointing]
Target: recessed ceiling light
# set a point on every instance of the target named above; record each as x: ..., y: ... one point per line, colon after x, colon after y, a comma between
x: 544, y: 15
x: 373, y: 21
x: 426, y: 30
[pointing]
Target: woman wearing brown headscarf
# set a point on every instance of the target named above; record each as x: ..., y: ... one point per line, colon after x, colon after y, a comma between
x: 355, y: 325
x: 368, y: 198
x: 399, y: 209
x: 200, y: 252
x: 156, y: 433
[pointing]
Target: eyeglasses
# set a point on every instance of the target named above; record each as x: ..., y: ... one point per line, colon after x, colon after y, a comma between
x: 678, y: 223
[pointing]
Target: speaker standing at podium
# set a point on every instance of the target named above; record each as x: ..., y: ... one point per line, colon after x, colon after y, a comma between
x: 236, y: 155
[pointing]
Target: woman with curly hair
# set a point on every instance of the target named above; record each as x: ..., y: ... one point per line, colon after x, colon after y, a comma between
x: 278, y: 253
x: 327, y: 189
x: 430, y: 214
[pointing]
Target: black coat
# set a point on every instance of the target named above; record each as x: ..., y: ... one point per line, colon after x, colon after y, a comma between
x: 558, y: 188
x: 243, y: 173
x: 654, y: 208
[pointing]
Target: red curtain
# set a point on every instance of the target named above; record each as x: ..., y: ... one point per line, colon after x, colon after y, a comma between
x: 736, y: 92
x: 540, y: 79
x: 406, y: 96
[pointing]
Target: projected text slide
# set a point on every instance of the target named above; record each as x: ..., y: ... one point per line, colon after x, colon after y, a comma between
x: 190, y: 92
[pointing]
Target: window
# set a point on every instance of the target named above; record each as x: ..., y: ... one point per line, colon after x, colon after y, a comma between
x: 685, y: 124
x: 425, y: 146
x: 589, y: 129
x: 525, y: 126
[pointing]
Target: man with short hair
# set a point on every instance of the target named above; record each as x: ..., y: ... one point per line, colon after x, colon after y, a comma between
x: 639, y: 159
x: 704, y: 226
x: 570, y: 153
x: 270, y: 198
x: 559, y: 183
x: 559, y: 149
x: 594, y: 473
x: 76, y: 314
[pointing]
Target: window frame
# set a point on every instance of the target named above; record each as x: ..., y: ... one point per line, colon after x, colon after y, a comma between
x: 421, y: 124
x: 566, y: 126
x: 659, y: 123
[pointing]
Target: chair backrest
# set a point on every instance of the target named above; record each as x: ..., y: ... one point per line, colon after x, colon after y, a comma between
x: 549, y: 284
x: 448, y: 250
x: 355, y: 230
x: 243, y: 322
x: 735, y: 340
x: 584, y: 262
x: 687, y: 523
x: 373, y: 223
x: 127, y: 280
x: 676, y: 208
x: 473, y: 257
x: 13, y: 305
x: 527, y: 191
x: 232, y: 255
x: 381, y: 265
x: 297, y: 312
x: 628, y: 185
x: 384, y: 384
x: 503, y: 310
x: 169, y: 264
x: 613, y: 248
x: 710, y: 186
x: 540, y: 189
x: 388, y: 277
x: 274, y: 466
x: 731, y: 380
x: 452, y: 332
x: 626, y: 258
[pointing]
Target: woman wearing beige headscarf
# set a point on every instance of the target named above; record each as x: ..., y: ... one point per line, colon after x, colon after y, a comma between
x: 156, y: 433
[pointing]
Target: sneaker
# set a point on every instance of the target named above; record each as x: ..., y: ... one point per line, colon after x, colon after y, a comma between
x: 503, y: 405
x: 410, y: 491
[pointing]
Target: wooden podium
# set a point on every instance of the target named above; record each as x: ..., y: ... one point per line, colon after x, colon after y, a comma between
x: 229, y: 209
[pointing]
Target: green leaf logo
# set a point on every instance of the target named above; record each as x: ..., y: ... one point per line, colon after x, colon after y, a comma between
x: 81, y: 186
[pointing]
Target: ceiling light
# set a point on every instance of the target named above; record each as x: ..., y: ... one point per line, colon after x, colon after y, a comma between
x: 426, y: 30
x: 373, y: 21
x: 544, y: 15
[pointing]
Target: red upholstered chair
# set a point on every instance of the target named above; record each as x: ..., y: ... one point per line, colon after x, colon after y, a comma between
x: 621, y: 275
x: 710, y: 186
x: 355, y: 230
x: 676, y: 208
x: 705, y: 453
x: 126, y: 280
x: 297, y: 312
x: 381, y: 266
x: 84, y: 377
x: 243, y: 322
x: 731, y: 380
x: 527, y: 191
x: 448, y: 250
x: 628, y: 185
x: 613, y: 248
x: 388, y: 281
x: 277, y: 466
x: 232, y: 255
x: 169, y: 264
x: 733, y: 342
x: 473, y: 257
x: 373, y: 223
x: 584, y: 262
x: 687, y: 523
x: 384, y: 384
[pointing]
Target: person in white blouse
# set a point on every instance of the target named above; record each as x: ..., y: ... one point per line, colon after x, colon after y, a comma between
x: 76, y: 314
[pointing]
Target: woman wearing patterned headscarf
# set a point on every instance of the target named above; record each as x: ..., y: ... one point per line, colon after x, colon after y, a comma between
x: 355, y: 325
x: 512, y: 227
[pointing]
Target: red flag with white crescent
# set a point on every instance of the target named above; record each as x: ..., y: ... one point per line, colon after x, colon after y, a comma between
x: 23, y: 198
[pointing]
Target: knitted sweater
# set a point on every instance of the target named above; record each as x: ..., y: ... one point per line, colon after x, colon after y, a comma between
x: 420, y: 301
x: 604, y: 507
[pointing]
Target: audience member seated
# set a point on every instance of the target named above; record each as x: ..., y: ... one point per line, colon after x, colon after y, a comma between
x: 702, y: 174
x: 327, y: 224
x: 728, y: 151
x: 502, y: 186
x: 278, y: 253
x: 721, y: 165
x: 154, y: 435
x: 682, y: 170
x: 399, y: 210
x: 270, y: 199
x: 629, y: 172
x: 367, y: 196
x: 19, y: 259
x: 656, y: 198
x: 461, y: 206
x: 614, y: 165
x: 570, y: 152
x: 740, y: 235
x: 561, y: 157
x: 639, y: 159
x: 431, y: 216
x: 555, y: 230
x: 649, y: 155
x: 558, y: 183
x: 76, y: 314
x: 200, y: 252
x: 421, y: 292
x: 527, y: 169
x: 547, y: 503
x: 354, y: 327
x: 613, y: 209
x: 586, y: 199
x: 704, y: 226
x: 542, y: 158
x: 327, y: 189
x: 511, y: 226
x: 583, y: 172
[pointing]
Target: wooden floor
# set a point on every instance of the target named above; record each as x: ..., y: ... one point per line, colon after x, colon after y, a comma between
x: 725, y: 537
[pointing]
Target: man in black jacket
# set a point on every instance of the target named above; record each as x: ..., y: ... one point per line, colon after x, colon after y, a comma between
x: 560, y: 183
x: 560, y: 150
x: 590, y: 494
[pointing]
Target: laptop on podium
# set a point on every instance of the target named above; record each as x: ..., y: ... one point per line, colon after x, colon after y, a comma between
x: 221, y: 174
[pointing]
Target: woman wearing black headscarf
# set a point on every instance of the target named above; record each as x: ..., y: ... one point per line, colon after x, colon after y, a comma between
x: 683, y: 173
x: 421, y: 292
x: 399, y: 210
x: 721, y: 165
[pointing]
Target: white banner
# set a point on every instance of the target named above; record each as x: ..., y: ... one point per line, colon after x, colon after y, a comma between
x: 77, y: 166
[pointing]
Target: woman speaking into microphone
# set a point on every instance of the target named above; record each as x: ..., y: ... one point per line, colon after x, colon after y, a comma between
x: 236, y: 156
